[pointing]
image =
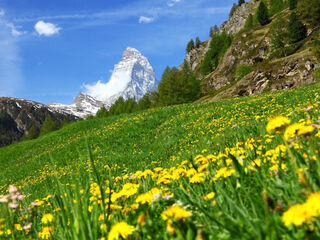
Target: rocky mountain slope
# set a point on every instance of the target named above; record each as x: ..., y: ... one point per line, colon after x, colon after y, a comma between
x: 253, y: 49
x: 17, y: 116
x: 132, y: 77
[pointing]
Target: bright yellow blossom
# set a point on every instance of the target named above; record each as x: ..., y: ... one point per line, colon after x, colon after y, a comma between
x: 121, y: 229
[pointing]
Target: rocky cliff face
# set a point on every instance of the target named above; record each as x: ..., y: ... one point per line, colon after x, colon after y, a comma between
x: 17, y: 116
x: 238, y: 19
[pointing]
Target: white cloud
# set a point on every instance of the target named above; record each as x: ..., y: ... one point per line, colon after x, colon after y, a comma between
x: 171, y: 3
x: 2, y: 13
x: 144, y: 19
x: 14, y: 30
x: 46, y: 28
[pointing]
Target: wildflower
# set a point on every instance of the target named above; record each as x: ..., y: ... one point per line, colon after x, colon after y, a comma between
x: 12, y: 189
x: 18, y: 227
x: 209, y: 196
x: 297, y: 129
x: 13, y: 205
x: 170, y: 229
x: 27, y: 226
x: 4, y: 198
x: 175, y: 212
x: 121, y: 229
x: 46, y: 232
x: 47, y: 218
x: 197, y: 178
x: 144, y: 198
x: 296, y: 215
x: 103, y: 227
x: 141, y: 219
x: 277, y: 123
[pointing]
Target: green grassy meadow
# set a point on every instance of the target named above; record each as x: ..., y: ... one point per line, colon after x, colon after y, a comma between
x: 193, y: 171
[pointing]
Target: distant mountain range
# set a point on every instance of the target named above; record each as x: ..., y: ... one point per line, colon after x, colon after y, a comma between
x: 17, y: 116
x: 132, y: 77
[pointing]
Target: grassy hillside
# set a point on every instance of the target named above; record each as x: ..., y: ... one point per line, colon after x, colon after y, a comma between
x: 196, y: 171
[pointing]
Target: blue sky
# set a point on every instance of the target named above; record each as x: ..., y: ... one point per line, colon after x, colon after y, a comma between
x: 50, y: 48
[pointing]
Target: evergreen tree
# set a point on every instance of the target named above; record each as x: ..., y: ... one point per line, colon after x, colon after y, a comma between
x: 145, y: 102
x: 198, y: 42
x: 240, y: 2
x: 297, y: 31
x: 190, y: 45
x: 309, y: 11
x: 33, y: 133
x: 276, y: 6
x: 102, y: 113
x: 48, y: 126
x: 279, y: 37
x: 293, y: 4
x: 249, y: 22
x: 211, y: 32
x: 263, y: 14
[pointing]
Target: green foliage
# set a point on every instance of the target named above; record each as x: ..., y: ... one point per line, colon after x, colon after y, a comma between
x: 253, y: 176
x: 316, y: 49
x: 309, y: 11
x: 243, y: 70
x: 102, y: 112
x: 178, y: 87
x: 240, y: 2
x: 279, y: 37
x: 293, y: 4
x: 190, y: 45
x: 218, y: 46
x: 276, y: 6
x: 198, y: 42
x: 249, y: 22
x: 33, y: 133
x: 297, y: 31
x: 263, y: 14
x: 49, y: 125
x: 316, y: 75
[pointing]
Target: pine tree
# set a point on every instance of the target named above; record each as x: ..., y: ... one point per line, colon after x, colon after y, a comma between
x: 309, y: 11
x: 263, y: 14
x: 102, y: 113
x: 297, y: 31
x: 249, y: 22
x: 211, y: 32
x: 198, y: 42
x: 293, y: 4
x: 241, y: 2
x: 48, y: 126
x: 33, y: 133
x: 190, y: 45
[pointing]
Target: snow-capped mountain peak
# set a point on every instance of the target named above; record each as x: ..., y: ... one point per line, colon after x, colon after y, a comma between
x: 132, y: 77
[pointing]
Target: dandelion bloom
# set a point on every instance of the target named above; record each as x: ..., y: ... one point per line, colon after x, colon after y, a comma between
x: 47, y: 218
x: 277, y: 123
x: 209, y: 196
x: 176, y: 212
x: 121, y: 229
x: 46, y: 232
x: 297, y: 129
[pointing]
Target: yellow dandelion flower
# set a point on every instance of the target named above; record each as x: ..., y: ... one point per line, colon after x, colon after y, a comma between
x: 277, y: 123
x: 47, y: 218
x: 121, y: 229
x: 209, y: 196
x: 18, y: 227
x: 175, y: 212
x: 46, y: 233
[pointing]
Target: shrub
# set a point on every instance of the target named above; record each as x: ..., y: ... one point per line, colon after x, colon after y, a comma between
x: 249, y: 22
x: 296, y: 30
x: 243, y: 70
x: 263, y: 14
x: 316, y: 75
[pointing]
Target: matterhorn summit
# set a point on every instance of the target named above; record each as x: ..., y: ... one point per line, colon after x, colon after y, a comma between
x: 132, y: 77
